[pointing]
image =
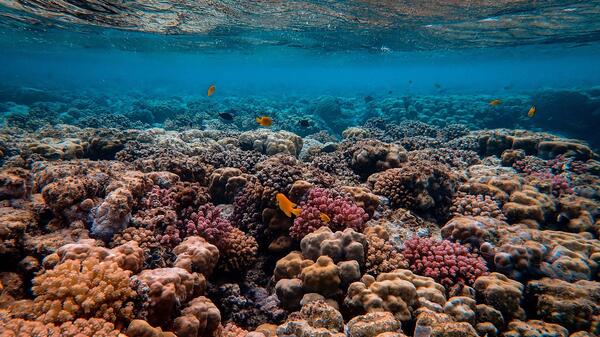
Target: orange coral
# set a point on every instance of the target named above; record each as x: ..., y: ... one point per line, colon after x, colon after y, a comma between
x: 88, y: 288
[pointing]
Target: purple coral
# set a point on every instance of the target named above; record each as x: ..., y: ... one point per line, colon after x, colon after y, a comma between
x: 448, y: 263
x: 342, y: 212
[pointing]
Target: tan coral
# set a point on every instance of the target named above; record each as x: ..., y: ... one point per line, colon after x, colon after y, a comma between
x: 321, y: 277
x: 13, y: 223
x: 271, y: 143
x: 374, y: 324
x: 128, y: 256
x: 141, y: 328
x: 382, y: 256
x: 15, y: 183
x: 518, y: 328
x: 529, y: 204
x: 239, y: 251
x: 291, y: 266
x: 399, y: 292
x: 224, y: 183
x: 453, y: 329
x: 195, y: 254
x: 169, y: 288
x: 501, y: 293
x: 339, y: 246
x: 461, y: 309
x: 316, y: 318
x: 198, y: 319
x: 571, y: 305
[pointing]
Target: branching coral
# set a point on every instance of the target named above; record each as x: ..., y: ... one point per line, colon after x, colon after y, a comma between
x: 236, y: 248
x: 86, y: 288
x: 382, y: 256
x: 341, y: 211
x: 446, y: 262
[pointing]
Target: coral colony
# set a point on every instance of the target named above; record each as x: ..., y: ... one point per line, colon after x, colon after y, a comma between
x: 398, y: 229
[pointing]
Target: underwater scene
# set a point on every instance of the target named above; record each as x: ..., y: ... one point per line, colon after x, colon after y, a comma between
x: 309, y: 168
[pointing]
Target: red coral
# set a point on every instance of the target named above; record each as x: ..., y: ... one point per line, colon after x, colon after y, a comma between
x: 342, y: 212
x: 448, y: 263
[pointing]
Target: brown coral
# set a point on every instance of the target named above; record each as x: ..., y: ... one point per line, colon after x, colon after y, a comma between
x: 424, y: 187
x: 571, y: 305
x: 382, y: 256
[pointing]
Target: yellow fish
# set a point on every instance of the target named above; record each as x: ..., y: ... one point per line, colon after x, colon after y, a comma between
x: 495, y: 102
x: 287, y: 206
x: 264, y: 121
x: 531, y: 111
x: 325, y: 218
x: 211, y: 90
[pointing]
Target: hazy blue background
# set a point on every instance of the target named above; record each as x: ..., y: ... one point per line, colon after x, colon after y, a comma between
x: 296, y: 71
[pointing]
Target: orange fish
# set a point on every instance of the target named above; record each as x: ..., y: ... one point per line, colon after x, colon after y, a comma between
x: 495, y: 102
x: 287, y: 206
x: 531, y: 111
x: 211, y: 90
x: 324, y: 217
x: 264, y: 121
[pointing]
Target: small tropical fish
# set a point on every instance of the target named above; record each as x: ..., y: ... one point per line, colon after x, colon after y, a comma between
x: 390, y: 92
x: 264, y: 121
x: 531, y: 111
x: 286, y: 205
x: 495, y: 102
x: 211, y: 90
x: 226, y: 116
x: 304, y: 123
x: 325, y: 218
x: 368, y: 98
x: 437, y: 85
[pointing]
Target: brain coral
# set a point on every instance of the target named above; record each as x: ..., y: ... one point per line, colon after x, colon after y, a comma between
x: 446, y: 262
x: 86, y: 288
x: 422, y: 186
x: 342, y: 213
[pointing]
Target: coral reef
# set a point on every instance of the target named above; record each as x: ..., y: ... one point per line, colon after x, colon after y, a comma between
x: 423, y: 224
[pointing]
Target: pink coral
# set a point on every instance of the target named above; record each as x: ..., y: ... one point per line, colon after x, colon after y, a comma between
x: 206, y: 222
x: 342, y: 212
x: 237, y: 248
x: 446, y: 262
x: 558, y: 183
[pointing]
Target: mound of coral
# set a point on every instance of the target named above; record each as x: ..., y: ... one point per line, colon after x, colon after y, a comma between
x: 401, y: 229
